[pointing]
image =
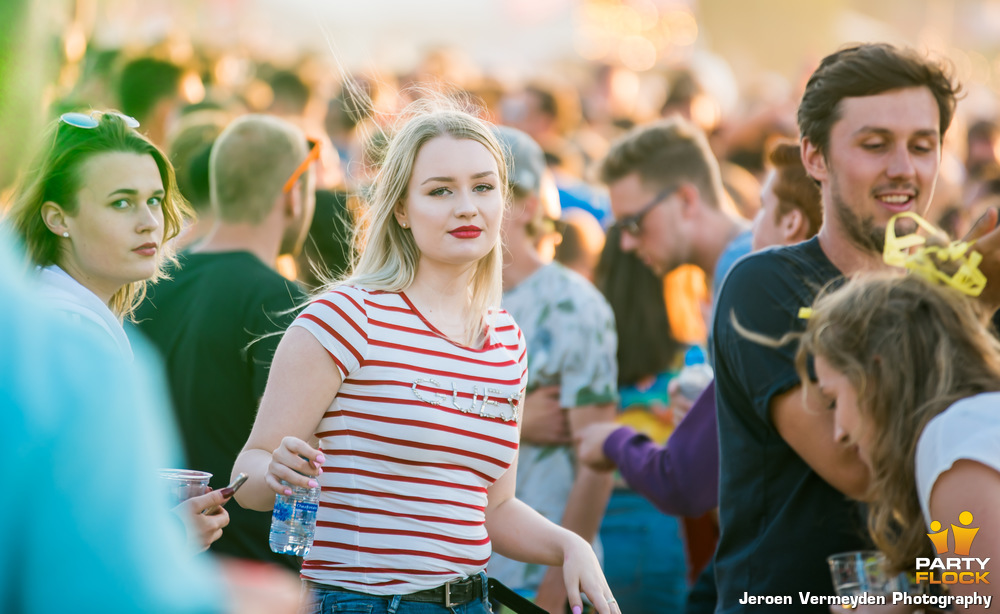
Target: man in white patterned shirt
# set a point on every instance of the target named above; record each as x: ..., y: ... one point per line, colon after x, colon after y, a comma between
x: 572, y: 373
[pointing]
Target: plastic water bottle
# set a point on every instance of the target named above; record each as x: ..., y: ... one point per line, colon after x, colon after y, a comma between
x: 293, y: 521
x: 696, y: 374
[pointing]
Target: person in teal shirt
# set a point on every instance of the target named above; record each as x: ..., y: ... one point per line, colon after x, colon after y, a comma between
x: 85, y: 525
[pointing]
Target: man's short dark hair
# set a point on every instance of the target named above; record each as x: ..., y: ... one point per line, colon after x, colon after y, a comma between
x: 868, y: 70
x: 144, y: 82
x: 290, y: 91
x: 350, y: 107
x: 665, y: 153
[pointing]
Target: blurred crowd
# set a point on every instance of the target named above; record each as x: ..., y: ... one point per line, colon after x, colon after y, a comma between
x: 232, y: 127
x: 573, y: 114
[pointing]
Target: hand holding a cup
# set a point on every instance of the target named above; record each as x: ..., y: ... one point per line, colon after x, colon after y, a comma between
x: 190, y: 497
x: 864, y: 571
x: 203, y: 529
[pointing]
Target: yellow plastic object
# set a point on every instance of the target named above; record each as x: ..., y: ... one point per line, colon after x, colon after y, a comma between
x: 643, y: 421
x: 912, y: 253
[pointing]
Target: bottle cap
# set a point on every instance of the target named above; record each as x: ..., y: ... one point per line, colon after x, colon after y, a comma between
x: 694, y: 356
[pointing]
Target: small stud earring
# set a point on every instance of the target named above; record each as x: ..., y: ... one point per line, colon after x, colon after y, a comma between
x: 66, y: 234
x: 403, y: 224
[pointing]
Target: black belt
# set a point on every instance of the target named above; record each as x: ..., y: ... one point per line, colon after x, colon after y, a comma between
x: 455, y: 592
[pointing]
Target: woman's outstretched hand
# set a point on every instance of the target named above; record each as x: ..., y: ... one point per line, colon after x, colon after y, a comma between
x: 582, y: 574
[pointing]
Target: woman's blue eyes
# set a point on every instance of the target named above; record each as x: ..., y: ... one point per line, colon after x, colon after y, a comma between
x: 482, y: 187
x: 124, y: 203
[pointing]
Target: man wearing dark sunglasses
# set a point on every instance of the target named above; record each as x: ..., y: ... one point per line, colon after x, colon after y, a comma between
x: 213, y: 321
x: 668, y: 200
x: 670, y: 207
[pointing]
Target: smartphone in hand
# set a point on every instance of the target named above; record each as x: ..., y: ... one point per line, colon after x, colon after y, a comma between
x: 232, y: 488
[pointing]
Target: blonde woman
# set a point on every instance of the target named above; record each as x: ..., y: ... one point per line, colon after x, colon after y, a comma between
x: 399, y: 391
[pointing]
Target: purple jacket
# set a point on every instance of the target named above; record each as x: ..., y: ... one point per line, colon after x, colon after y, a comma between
x: 682, y: 477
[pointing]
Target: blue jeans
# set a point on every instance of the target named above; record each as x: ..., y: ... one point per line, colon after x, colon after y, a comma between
x: 643, y: 556
x: 332, y: 601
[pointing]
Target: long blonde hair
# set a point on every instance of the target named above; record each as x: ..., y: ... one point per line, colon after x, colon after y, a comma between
x: 911, y: 349
x: 385, y: 254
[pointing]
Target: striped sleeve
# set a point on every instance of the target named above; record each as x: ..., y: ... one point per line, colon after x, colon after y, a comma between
x: 522, y: 360
x: 339, y: 321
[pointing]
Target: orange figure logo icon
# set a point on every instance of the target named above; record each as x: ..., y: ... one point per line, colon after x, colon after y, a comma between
x: 939, y: 538
x: 964, y: 535
x: 957, y: 567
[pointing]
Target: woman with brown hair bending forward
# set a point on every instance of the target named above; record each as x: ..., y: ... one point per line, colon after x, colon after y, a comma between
x: 912, y: 375
x: 399, y: 390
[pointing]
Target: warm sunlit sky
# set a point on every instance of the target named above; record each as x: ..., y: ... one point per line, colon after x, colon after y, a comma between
x: 768, y: 34
x: 741, y: 41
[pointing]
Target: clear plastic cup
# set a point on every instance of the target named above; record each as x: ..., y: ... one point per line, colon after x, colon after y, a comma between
x: 182, y: 484
x: 861, y: 571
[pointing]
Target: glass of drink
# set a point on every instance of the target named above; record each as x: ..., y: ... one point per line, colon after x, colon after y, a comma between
x: 182, y: 484
x: 861, y: 571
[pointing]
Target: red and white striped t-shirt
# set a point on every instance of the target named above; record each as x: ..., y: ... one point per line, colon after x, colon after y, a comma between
x: 419, y: 429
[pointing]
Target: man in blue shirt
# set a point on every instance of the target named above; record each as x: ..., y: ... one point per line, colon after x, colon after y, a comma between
x: 872, y: 120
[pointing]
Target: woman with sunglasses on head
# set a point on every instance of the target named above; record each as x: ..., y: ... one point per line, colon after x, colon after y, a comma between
x: 95, y: 215
x: 398, y: 392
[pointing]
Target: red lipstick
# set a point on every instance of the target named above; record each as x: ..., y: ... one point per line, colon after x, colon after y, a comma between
x: 466, y: 232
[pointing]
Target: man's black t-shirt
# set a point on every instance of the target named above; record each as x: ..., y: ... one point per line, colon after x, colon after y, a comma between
x: 210, y: 324
x: 779, y: 519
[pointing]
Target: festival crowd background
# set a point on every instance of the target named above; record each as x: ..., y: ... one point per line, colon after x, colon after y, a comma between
x: 574, y: 75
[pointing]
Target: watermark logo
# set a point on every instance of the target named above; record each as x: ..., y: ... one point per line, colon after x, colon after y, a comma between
x: 960, y: 568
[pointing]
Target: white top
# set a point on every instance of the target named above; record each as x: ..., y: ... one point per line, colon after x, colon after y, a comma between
x: 969, y: 429
x: 418, y: 431
x: 572, y: 344
x: 69, y: 296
